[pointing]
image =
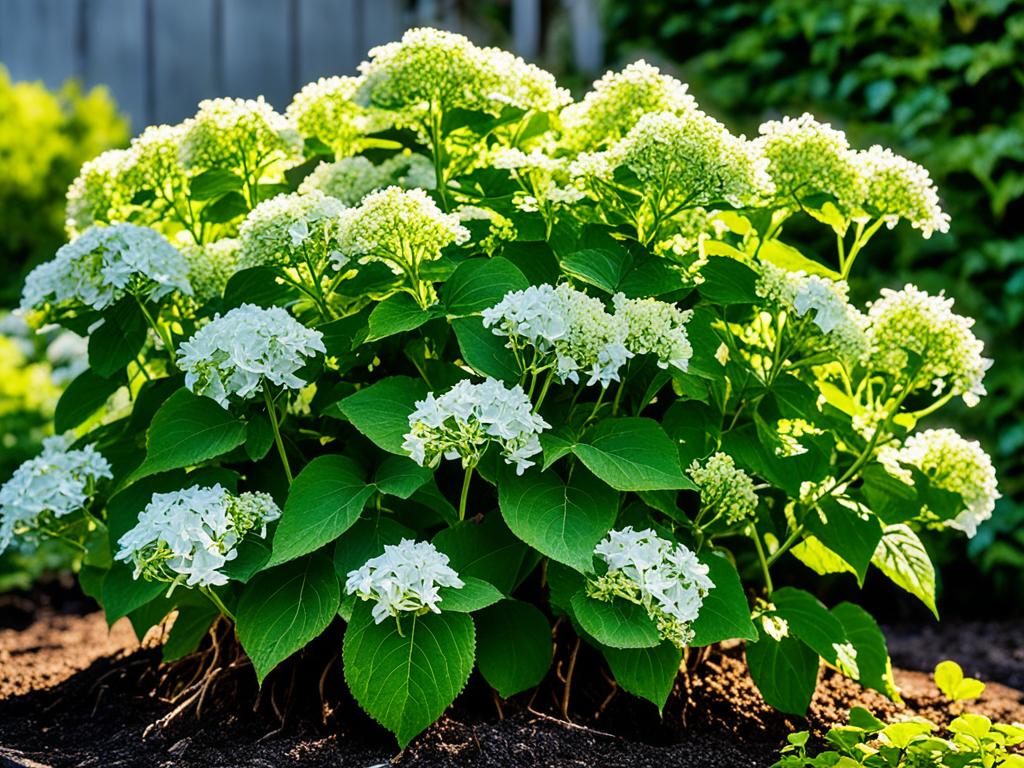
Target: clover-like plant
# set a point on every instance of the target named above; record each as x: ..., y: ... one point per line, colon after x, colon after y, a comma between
x: 480, y: 371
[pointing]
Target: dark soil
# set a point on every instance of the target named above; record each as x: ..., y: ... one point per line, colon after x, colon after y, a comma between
x: 72, y: 694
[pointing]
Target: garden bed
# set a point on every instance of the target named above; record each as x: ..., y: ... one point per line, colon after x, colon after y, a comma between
x: 72, y: 694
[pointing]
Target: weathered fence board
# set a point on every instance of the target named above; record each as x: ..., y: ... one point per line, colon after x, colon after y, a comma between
x: 187, y: 59
x: 114, y: 27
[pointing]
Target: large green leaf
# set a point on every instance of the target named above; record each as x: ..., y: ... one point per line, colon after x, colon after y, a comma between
x: 122, y: 593
x: 864, y: 635
x: 851, y: 534
x: 366, y: 539
x: 785, y: 671
x: 564, y: 521
x: 486, y: 550
x: 603, y: 268
x: 283, y: 609
x: 323, y: 502
x: 646, y: 672
x: 481, y: 283
x: 397, y: 314
x: 189, y: 628
x: 401, y: 477
x: 809, y: 621
x: 406, y: 680
x: 902, y: 557
x: 513, y: 646
x: 632, y: 454
x: 188, y: 430
x: 473, y: 595
x: 83, y: 397
x: 381, y: 411
x: 618, y: 624
x: 725, y: 613
x: 118, y: 340
x: 485, y: 352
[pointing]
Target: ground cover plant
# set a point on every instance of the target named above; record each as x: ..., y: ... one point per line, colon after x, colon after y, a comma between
x: 446, y: 355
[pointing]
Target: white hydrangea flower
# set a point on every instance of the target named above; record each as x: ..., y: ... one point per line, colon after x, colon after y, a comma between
x: 953, y: 464
x: 99, y: 194
x: 156, y: 159
x: 104, y: 264
x: 460, y: 423
x: 405, y: 579
x: 54, y: 484
x: 211, y: 266
x: 353, y: 178
x: 900, y: 189
x: 655, y: 328
x: 239, y: 352
x: 233, y: 133
x: 189, y: 535
x: 665, y: 578
x: 842, y: 324
x: 574, y: 331
x: 288, y: 229
x: 618, y: 100
x: 325, y: 110
x: 910, y: 320
x: 724, y: 487
x: 806, y: 157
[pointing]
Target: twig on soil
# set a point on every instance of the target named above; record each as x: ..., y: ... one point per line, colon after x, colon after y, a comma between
x: 574, y: 726
x: 325, y: 708
x: 568, y: 679
x: 497, y: 704
x: 611, y: 694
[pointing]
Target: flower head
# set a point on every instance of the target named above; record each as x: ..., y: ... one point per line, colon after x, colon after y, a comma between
x: 806, y: 157
x: 105, y: 263
x: 191, y: 534
x: 665, y: 578
x: 56, y: 483
x: 655, y: 328
x: 724, y: 487
x: 953, y: 464
x: 617, y: 101
x: 238, y: 133
x: 211, y: 266
x: 460, y: 424
x: 353, y: 178
x: 324, y: 110
x: 910, y: 321
x: 288, y: 229
x: 900, y: 189
x: 100, y: 194
x: 405, y: 579
x: 237, y: 354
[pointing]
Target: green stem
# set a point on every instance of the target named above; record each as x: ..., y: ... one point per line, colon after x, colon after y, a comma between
x: 218, y: 602
x: 465, y: 491
x: 765, y: 563
x: 275, y: 425
x: 162, y: 333
x: 544, y: 390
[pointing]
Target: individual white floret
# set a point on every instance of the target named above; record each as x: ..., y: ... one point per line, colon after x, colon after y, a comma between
x: 190, y: 535
x: 407, y: 578
x: 104, y: 264
x: 460, y: 423
x: 54, y: 484
x: 665, y: 578
x: 239, y: 353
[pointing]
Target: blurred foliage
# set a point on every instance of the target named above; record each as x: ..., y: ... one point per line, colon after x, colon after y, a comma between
x: 44, y: 139
x: 939, y: 81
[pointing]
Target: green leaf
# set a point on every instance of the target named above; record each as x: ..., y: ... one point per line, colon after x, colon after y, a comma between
x: 122, y: 593
x: 603, y: 268
x: 513, y: 646
x: 486, y: 550
x: 473, y: 595
x: 324, y: 501
x: 725, y: 613
x: 632, y: 454
x: 478, y: 284
x: 563, y: 521
x: 260, y: 286
x: 809, y: 621
x: 228, y: 208
x: 864, y: 635
x: 790, y: 259
x: 118, y: 340
x: 367, y: 539
x: 619, y: 624
x: 401, y: 477
x: 949, y: 678
x: 819, y: 558
x: 381, y: 411
x: 83, y: 397
x: 728, y: 281
x: 406, y: 681
x: 902, y: 557
x: 849, y: 533
x: 648, y: 673
x: 485, y: 352
x: 283, y: 609
x: 397, y: 314
x: 188, y: 430
x: 785, y: 672
x: 259, y: 436
x: 189, y: 628
x: 214, y: 183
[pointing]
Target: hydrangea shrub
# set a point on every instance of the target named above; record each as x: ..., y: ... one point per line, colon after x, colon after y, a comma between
x: 448, y: 356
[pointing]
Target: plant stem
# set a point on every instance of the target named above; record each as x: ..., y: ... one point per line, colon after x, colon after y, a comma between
x: 760, y: 556
x: 162, y: 333
x: 272, y: 414
x: 218, y: 602
x: 465, y: 491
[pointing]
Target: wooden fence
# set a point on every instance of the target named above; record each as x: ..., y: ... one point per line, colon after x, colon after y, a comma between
x: 160, y: 57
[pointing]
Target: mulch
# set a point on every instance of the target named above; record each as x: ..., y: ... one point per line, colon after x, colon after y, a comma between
x: 74, y: 694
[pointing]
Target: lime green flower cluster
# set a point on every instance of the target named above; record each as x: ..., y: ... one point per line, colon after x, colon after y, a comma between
x: 353, y: 178
x: 211, y: 265
x: 324, y: 111
x: 726, y: 491
x: 245, y: 134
